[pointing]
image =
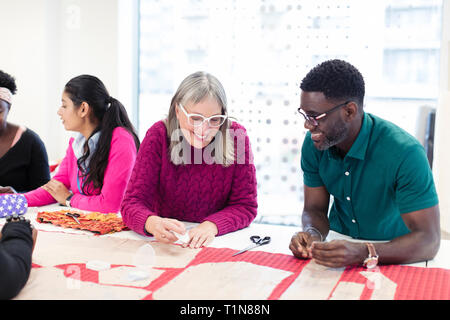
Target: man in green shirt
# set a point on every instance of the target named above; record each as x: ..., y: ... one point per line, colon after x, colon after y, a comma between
x: 377, y: 173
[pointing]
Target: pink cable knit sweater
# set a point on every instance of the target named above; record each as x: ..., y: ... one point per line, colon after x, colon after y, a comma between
x: 225, y: 196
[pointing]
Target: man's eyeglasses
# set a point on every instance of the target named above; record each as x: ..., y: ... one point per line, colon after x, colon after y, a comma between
x: 197, y: 120
x: 314, y: 120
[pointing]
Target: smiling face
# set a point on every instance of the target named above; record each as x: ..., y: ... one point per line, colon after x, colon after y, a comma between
x: 332, y: 129
x: 199, y: 137
x: 69, y: 114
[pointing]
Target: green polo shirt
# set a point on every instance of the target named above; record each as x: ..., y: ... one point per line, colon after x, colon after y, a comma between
x: 385, y: 174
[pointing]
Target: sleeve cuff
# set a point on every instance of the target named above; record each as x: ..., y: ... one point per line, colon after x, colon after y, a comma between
x: 416, y: 207
x: 312, y: 181
x: 138, y: 221
x: 222, y: 224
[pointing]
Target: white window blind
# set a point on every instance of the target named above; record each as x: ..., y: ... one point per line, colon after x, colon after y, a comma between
x: 261, y: 49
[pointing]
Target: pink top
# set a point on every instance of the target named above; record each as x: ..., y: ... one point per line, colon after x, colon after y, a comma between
x: 121, y: 160
x: 225, y: 196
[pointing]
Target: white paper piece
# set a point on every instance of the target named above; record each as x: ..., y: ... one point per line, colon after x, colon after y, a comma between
x: 182, y: 238
x: 128, y: 276
x: 137, y: 274
x: 98, y: 265
x: 145, y: 257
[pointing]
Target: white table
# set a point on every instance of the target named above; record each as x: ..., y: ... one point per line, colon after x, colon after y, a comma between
x: 280, y: 237
x: 53, y: 241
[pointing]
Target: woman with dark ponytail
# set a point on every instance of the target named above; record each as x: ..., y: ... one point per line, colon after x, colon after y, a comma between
x: 98, y: 163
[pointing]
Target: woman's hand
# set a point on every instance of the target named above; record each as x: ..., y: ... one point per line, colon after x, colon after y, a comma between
x: 7, y: 189
x: 161, y: 228
x: 58, y: 190
x: 201, y: 235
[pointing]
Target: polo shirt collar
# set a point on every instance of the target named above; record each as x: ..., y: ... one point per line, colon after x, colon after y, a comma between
x: 359, y: 147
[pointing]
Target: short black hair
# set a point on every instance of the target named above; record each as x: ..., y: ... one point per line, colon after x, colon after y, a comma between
x: 8, y: 81
x: 337, y: 80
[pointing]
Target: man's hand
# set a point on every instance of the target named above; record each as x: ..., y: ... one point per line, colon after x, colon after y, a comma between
x: 161, y: 228
x: 301, y: 244
x: 339, y: 253
x: 201, y: 235
x: 58, y: 190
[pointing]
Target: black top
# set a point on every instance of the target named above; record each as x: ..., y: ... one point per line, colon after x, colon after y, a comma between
x: 25, y: 166
x: 16, y: 248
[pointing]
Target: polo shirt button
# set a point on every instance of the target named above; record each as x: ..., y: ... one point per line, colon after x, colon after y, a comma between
x: 347, y: 173
x: 348, y: 198
x: 353, y: 220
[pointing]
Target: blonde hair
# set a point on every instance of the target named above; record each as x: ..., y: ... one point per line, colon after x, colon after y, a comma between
x: 193, y: 89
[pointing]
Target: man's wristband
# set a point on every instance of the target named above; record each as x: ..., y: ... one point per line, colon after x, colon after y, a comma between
x: 308, y: 229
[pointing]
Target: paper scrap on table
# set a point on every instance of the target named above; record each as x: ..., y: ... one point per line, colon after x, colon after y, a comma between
x: 183, y: 238
x: 98, y: 265
x: 136, y: 275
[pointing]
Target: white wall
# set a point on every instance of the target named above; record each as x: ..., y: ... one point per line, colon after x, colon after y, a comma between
x: 47, y: 42
x: 441, y: 166
x: 26, y: 55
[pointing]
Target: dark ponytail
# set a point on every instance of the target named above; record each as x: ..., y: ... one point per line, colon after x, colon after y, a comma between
x: 110, y: 114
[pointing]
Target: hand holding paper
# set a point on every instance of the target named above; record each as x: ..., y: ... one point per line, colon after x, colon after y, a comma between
x: 201, y: 235
x: 163, y: 228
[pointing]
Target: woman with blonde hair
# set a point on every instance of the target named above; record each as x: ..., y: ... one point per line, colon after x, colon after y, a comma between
x: 196, y: 165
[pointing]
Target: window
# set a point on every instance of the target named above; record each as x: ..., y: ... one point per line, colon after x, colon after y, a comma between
x: 261, y: 49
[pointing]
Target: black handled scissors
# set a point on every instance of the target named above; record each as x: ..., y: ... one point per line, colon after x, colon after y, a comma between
x: 257, y: 241
x: 75, y: 216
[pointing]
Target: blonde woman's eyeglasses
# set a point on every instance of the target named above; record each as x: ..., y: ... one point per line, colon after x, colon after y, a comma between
x: 197, y: 120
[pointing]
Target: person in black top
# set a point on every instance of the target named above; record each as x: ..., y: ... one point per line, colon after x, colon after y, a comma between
x: 23, y: 157
x: 17, y: 240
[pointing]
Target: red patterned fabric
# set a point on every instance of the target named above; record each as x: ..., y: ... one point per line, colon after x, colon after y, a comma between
x: 96, y: 222
x: 413, y: 283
